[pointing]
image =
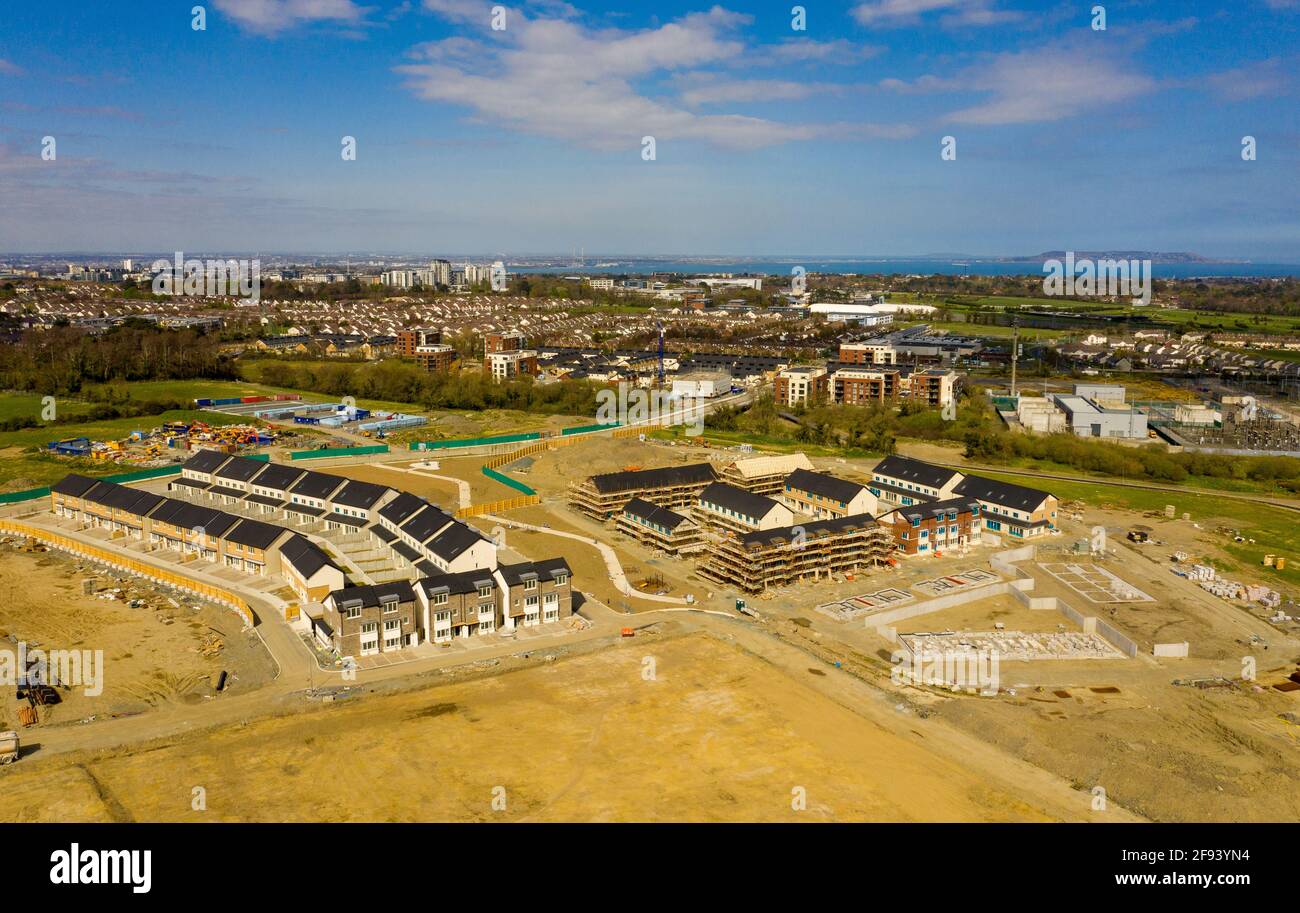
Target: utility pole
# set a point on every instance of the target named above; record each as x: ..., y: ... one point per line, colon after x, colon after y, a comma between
x: 1015, y: 351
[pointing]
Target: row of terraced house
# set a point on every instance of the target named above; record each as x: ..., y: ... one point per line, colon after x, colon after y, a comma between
x: 257, y: 517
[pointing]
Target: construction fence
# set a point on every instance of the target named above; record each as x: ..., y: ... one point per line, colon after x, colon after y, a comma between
x: 130, y: 565
x: 479, y: 510
x: 338, y: 452
x: 122, y: 478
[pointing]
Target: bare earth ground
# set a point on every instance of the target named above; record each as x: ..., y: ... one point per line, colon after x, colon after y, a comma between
x: 150, y: 653
x: 718, y: 735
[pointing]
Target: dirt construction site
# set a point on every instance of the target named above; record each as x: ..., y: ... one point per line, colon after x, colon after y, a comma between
x: 702, y: 713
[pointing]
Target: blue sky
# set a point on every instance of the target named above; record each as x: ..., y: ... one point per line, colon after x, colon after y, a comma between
x: 768, y: 140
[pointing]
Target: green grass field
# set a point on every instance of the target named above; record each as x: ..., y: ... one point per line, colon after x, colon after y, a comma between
x: 1272, y: 528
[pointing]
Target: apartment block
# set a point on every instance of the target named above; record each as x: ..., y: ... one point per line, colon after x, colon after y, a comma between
x: 934, y: 527
x: 763, y: 475
x: 604, y: 496
x: 373, y: 619
x: 733, y: 509
x: 797, y: 385
x: 824, y: 497
x: 756, y: 561
x: 659, y: 527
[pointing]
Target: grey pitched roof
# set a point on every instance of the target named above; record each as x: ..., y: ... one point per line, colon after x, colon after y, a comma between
x: 206, y: 460
x: 653, y: 513
x: 277, y: 476
x: 73, y: 485
x: 255, y: 534
x: 317, y: 484
x: 547, y: 569
x: 454, y: 541
x: 915, y: 471
x: 745, y: 503
x: 241, y: 469
x: 1003, y: 494
x: 359, y: 494
x: 819, y: 483
x: 690, y: 474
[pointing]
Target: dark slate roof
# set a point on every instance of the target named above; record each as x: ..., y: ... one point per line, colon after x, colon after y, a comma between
x: 359, y: 494
x: 168, y: 510
x: 241, y: 469
x: 400, y: 509
x: 73, y: 485
x: 935, y: 508
x: 453, y: 584
x: 427, y: 568
x: 914, y: 471
x: 303, y: 554
x: 406, y: 551
x: 277, y: 476
x: 653, y: 513
x: 206, y: 461
x: 214, y: 522
x: 103, y: 493
x: 425, y: 523
x: 383, y: 533
x: 515, y: 574
x: 828, y: 486
x: 1003, y: 494
x: 226, y: 490
x: 346, y: 520
x: 317, y: 484
x: 373, y: 595
x: 813, y: 530
x: 454, y: 541
x: 189, y: 483
x: 304, y: 510
x: 690, y: 474
x: 255, y: 534
x: 143, y: 503
x: 745, y: 503
x: 263, y: 499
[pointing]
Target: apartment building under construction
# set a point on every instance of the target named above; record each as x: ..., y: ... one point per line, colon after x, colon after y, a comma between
x: 756, y: 561
x: 604, y: 496
x: 661, y: 528
x: 764, y: 475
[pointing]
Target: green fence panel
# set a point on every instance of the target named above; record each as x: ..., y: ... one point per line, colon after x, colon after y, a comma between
x: 588, y: 429
x: 14, y: 497
x: 475, y: 441
x: 506, y: 480
x: 338, y: 452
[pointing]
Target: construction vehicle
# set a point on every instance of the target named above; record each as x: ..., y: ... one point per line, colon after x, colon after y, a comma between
x: 8, y: 747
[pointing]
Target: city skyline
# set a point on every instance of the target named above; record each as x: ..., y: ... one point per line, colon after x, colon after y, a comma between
x: 768, y: 140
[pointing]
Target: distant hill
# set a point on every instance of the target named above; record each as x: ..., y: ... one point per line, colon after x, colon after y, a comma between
x: 1154, y: 256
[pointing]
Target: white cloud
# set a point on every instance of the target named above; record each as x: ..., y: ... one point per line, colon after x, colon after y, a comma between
x: 270, y: 17
x: 906, y: 12
x: 1254, y: 80
x: 841, y: 50
x: 9, y: 68
x: 557, y: 78
x: 1045, y: 84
